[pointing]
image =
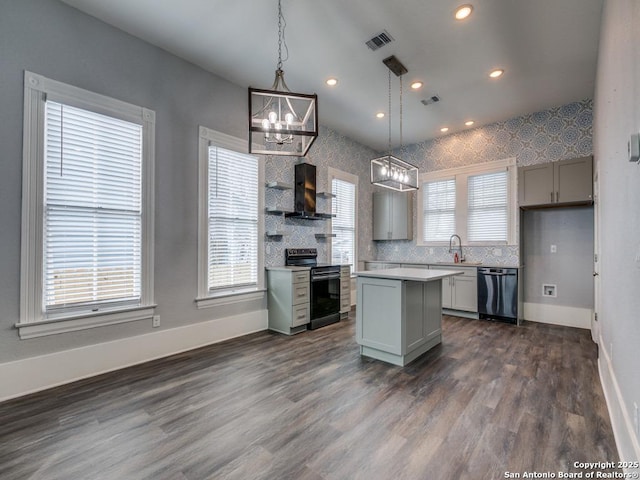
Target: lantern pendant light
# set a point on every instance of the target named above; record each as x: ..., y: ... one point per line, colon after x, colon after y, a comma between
x: 281, y: 122
x: 390, y: 171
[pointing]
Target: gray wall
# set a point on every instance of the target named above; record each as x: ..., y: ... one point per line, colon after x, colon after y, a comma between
x: 52, y: 39
x: 617, y: 116
x: 571, y: 267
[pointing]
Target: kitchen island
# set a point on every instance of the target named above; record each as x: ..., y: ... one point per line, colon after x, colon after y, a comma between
x: 399, y: 312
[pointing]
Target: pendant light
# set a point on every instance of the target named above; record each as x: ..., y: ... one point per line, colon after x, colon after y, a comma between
x: 281, y: 122
x: 390, y: 171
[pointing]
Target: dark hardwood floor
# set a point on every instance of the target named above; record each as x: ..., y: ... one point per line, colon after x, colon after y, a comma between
x: 491, y: 399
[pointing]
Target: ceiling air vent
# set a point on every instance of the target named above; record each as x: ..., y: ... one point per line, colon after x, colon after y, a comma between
x: 380, y: 40
x: 430, y: 100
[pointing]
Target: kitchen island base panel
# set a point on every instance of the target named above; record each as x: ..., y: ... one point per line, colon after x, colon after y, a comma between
x: 400, y: 360
x: 398, y: 320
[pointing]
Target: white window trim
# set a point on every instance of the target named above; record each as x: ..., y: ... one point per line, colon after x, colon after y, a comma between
x: 351, y: 178
x: 232, y: 295
x: 461, y: 174
x: 32, y: 321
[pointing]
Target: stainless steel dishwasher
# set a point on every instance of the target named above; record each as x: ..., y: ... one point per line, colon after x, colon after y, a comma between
x: 498, y: 294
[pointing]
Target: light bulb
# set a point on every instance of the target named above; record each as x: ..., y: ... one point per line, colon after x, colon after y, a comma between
x: 383, y: 170
x: 288, y: 118
x: 265, y: 123
x: 273, y: 116
x: 395, y: 175
x: 406, y: 178
x: 278, y: 126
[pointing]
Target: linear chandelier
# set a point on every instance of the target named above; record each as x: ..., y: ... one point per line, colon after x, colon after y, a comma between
x: 390, y: 171
x: 281, y: 122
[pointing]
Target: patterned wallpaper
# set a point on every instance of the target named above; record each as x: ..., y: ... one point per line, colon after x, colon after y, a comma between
x: 329, y: 150
x: 540, y: 137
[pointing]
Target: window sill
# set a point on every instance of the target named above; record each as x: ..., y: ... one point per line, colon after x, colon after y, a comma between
x: 228, y: 298
x: 82, y: 322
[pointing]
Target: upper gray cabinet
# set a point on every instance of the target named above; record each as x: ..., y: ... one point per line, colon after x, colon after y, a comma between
x: 392, y: 219
x: 566, y: 182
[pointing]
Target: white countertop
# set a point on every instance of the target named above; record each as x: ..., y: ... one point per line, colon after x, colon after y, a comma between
x: 413, y: 274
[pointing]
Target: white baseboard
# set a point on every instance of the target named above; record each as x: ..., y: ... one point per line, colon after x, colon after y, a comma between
x: 558, y: 315
x: 621, y: 420
x: 33, y: 374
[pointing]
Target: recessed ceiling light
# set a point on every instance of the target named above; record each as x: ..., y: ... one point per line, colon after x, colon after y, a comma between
x: 469, y: 123
x: 416, y: 85
x: 444, y: 129
x: 332, y: 82
x: 463, y: 11
x: 496, y: 73
x: 380, y: 115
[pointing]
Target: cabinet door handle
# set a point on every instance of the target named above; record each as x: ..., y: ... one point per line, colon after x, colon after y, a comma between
x: 551, y: 197
x: 557, y: 197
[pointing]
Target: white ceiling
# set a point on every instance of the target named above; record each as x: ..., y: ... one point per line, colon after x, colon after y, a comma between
x: 548, y: 49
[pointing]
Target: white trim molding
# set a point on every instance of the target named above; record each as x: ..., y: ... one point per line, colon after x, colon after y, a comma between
x: 34, y: 374
x: 558, y: 315
x: 621, y: 418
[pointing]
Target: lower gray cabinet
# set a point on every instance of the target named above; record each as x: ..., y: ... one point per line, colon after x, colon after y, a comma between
x: 460, y: 292
x: 289, y: 300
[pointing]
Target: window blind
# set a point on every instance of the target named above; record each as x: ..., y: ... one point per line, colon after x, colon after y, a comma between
x: 439, y: 210
x: 343, y: 224
x: 93, y: 217
x: 488, y: 207
x: 233, y: 219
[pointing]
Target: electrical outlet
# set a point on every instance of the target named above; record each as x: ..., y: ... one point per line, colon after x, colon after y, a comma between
x: 549, y: 290
x: 267, y: 249
x: 431, y: 251
x: 554, y: 248
x: 156, y: 321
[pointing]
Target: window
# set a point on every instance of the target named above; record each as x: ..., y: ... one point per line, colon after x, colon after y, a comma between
x: 343, y: 225
x: 231, y: 225
x: 488, y: 207
x: 87, y: 211
x: 439, y: 210
x: 476, y: 202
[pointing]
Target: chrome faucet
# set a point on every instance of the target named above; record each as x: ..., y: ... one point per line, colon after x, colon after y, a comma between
x: 459, y: 245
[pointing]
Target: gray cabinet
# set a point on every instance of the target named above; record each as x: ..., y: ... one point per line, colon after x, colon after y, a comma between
x: 397, y: 320
x: 392, y: 216
x: 289, y: 304
x: 566, y: 182
x: 460, y: 292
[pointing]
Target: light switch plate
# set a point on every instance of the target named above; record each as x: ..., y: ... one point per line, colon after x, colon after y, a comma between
x: 634, y: 147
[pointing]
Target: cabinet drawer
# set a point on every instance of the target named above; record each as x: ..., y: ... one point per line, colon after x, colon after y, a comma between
x: 300, y: 277
x: 300, y: 293
x: 300, y: 315
x: 345, y: 287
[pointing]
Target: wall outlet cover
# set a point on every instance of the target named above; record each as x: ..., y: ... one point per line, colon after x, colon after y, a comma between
x: 554, y: 248
x: 549, y: 290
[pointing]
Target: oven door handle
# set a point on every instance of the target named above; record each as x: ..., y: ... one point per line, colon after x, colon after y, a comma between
x: 324, y: 276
